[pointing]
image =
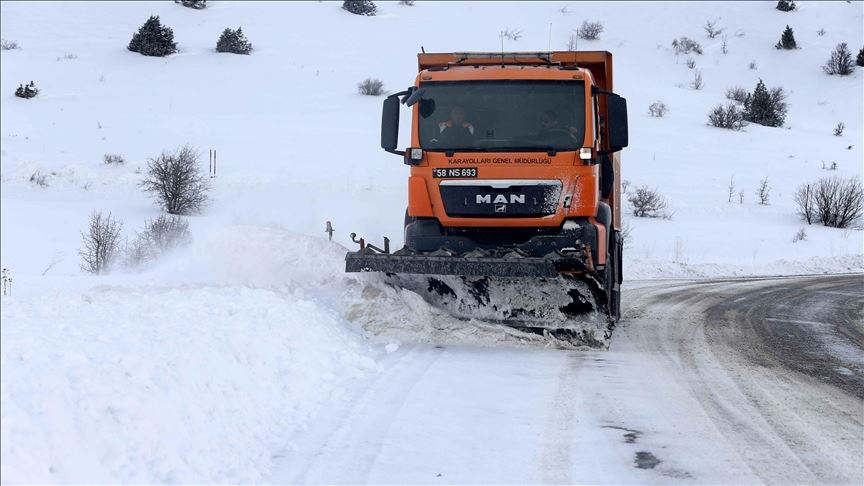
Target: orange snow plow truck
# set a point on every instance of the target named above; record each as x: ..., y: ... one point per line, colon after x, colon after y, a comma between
x: 514, y: 201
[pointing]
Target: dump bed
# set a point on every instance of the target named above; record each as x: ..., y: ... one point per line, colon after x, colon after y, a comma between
x: 598, y: 62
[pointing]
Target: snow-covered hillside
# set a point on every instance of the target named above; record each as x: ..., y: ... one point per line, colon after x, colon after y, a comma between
x: 195, y: 369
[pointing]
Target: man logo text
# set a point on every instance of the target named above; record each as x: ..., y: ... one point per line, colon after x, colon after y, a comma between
x: 501, y: 199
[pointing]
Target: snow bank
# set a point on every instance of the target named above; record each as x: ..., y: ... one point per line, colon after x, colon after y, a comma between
x: 142, y: 382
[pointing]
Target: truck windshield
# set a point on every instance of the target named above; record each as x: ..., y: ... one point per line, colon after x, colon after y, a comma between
x: 507, y: 115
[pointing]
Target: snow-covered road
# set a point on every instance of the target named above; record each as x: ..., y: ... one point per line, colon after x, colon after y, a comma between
x: 742, y: 381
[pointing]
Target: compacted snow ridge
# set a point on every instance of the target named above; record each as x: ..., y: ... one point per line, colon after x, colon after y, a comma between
x: 232, y: 358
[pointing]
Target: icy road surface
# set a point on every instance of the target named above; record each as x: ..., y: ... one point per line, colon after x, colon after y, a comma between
x: 753, y: 381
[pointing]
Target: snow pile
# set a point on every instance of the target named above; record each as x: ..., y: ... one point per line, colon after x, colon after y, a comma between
x: 146, y: 382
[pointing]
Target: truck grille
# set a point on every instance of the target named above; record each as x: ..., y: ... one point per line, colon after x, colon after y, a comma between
x: 500, y: 198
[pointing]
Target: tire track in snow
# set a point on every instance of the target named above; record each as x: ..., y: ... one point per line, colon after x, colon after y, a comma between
x: 344, y: 450
x: 786, y: 426
x: 555, y: 463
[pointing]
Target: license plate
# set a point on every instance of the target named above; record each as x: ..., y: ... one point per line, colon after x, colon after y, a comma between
x: 454, y: 172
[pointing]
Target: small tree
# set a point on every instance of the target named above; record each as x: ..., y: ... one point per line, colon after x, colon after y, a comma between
x: 840, y: 61
x: 658, y: 109
x: 27, y: 91
x: 371, y: 87
x: 360, y: 7
x: 697, y: 82
x: 765, y: 107
x: 590, y: 30
x: 860, y: 59
x: 196, y: 4
x: 711, y: 28
x: 176, y: 182
x: 731, y: 188
x: 763, y: 191
x: 729, y: 117
x: 786, y: 5
x: 838, y: 130
x: 787, y: 40
x: 100, y: 243
x: 647, y: 202
x: 153, y: 39
x: 233, y: 41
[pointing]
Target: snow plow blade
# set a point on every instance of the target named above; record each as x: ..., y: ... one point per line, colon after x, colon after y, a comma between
x: 557, y: 295
x: 465, y: 265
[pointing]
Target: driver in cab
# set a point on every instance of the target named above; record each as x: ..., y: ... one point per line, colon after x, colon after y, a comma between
x: 456, y: 128
x: 550, y: 126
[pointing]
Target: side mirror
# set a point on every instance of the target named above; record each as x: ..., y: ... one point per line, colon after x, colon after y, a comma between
x: 617, y: 122
x: 390, y: 125
x: 414, y: 97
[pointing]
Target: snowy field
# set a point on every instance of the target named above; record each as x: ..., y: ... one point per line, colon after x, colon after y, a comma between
x: 198, y: 368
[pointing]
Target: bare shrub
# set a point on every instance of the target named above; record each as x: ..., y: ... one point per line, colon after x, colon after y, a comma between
x: 838, y: 130
x: 100, y: 243
x: 168, y: 232
x: 37, y: 178
x: 511, y: 34
x: 371, y: 87
x: 839, y: 202
x: 729, y: 116
x: 820, y: 32
x: 801, y: 235
x: 625, y: 186
x: 752, y: 65
x: 572, y: 42
x: 690, y: 63
x: 626, y: 235
x: 763, y: 192
x: 731, y: 188
x: 805, y: 201
x: 407, y: 3
x: 68, y: 56
x: 647, y: 202
x: 590, y: 30
x: 658, y: 109
x: 833, y: 166
x: 840, y: 62
x: 8, y: 45
x: 113, y: 159
x: 176, y: 182
x: 685, y: 45
x: 737, y: 93
x: 711, y: 28
x: 160, y: 236
x: 697, y: 82
x: 724, y: 47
